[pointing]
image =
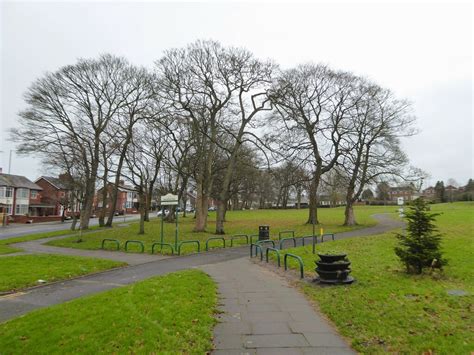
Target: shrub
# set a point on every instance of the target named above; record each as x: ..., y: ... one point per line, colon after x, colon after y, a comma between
x: 420, y: 247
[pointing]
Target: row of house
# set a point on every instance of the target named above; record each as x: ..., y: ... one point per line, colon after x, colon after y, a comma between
x: 48, y: 198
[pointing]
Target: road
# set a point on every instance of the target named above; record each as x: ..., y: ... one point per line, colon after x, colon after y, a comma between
x: 18, y: 230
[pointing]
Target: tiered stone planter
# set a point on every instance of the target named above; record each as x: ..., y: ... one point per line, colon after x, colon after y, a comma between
x: 333, y: 269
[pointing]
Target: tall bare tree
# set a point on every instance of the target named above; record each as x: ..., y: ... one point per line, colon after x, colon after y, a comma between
x: 314, y: 102
x: 74, y: 104
x: 373, y: 146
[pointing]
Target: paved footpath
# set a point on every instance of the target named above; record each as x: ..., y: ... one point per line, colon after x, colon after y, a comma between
x: 37, y: 246
x: 263, y: 314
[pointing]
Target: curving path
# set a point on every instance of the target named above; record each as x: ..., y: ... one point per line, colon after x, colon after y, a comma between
x: 262, y: 313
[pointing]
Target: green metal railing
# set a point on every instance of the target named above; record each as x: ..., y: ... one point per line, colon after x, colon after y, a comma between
x: 257, y: 246
x: 189, y: 242
x: 214, y: 238
x: 327, y: 235
x: 110, y: 240
x: 239, y: 236
x: 135, y: 242
x: 277, y: 253
x: 260, y: 242
x: 161, y: 245
x: 280, y: 234
x: 285, y: 239
x: 300, y: 261
x: 252, y: 236
x: 314, y: 239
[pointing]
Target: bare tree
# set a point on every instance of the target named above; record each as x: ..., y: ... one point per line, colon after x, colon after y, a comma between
x: 140, y: 102
x: 74, y: 104
x: 143, y: 160
x: 315, y: 103
x: 373, y: 146
x: 199, y: 82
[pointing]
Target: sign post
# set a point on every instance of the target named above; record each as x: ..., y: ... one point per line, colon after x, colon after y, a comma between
x: 169, y: 200
x: 400, y: 202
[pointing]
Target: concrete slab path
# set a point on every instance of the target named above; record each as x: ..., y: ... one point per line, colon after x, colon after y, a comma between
x: 263, y: 314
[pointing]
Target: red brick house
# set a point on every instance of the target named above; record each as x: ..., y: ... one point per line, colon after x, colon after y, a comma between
x: 407, y: 192
x: 127, y: 199
x: 429, y: 193
x: 54, y: 195
x: 19, y: 197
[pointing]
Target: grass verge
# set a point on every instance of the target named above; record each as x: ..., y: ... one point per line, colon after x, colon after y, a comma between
x: 5, y: 244
x: 388, y: 311
x: 166, y: 315
x: 17, y: 272
x: 238, y: 222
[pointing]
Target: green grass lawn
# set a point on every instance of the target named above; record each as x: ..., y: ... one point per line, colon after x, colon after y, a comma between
x: 238, y: 222
x: 166, y: 315
x: 17, y: 272
x: 5, y: 244
x: 387, y: 310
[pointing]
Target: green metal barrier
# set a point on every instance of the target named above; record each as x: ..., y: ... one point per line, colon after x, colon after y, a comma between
x: 308, y: 236
x: 214, y: 238
x: 110, y: 240
x: 260, y: 242
x: 252, y: 236
x: 162, y: 245
x: 257, y: 246
x: 327, y: 235
x: 239, y: 236
x: 136, y: 242
x: 277, y: 253
x: 189, y: 242
x: 285, y: 239
x: 286, y: 232
x: 300, y: 261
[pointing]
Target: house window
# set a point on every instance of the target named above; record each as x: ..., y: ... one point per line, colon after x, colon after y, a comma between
x: 8, y: 209
x: 6, y: 192
x: 34, y: 194
x: 21, y: 209
x: 22, y: 193
x: 129, y: 204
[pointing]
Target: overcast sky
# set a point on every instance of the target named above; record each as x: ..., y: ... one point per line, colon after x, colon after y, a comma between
x: 423, y: 52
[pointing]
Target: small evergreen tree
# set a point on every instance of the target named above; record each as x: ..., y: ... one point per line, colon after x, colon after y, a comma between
x: 420, y: 246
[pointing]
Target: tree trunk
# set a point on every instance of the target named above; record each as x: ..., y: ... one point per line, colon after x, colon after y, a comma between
x: 349, y: 215
x: 220, y: 216
x: 142, y: 209
x: 201, y: 209
x: 104, y: 203
x: 114, y: 196
x: 298, y: 198
x: 86, y: 208
x: 313, y: 200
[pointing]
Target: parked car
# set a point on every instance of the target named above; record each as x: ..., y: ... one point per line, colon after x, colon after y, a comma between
x: 212, y: 208
x: 189, y: 209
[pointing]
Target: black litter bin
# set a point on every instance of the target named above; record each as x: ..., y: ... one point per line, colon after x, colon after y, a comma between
x: 263, y: 232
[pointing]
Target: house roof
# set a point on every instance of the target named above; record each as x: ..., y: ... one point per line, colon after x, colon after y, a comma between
x: 127, y: 188
x: 17, y: 181
x: 56, y: 182
x: 402, y: 188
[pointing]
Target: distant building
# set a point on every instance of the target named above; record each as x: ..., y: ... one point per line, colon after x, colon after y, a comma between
x: 54, y: 196
x: 19, y: 196
x: 407, y: 192
x: 429, y: 193
x: 127, y: 199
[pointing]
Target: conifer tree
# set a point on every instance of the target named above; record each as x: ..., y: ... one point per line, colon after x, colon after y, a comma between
x: 420, y: 247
